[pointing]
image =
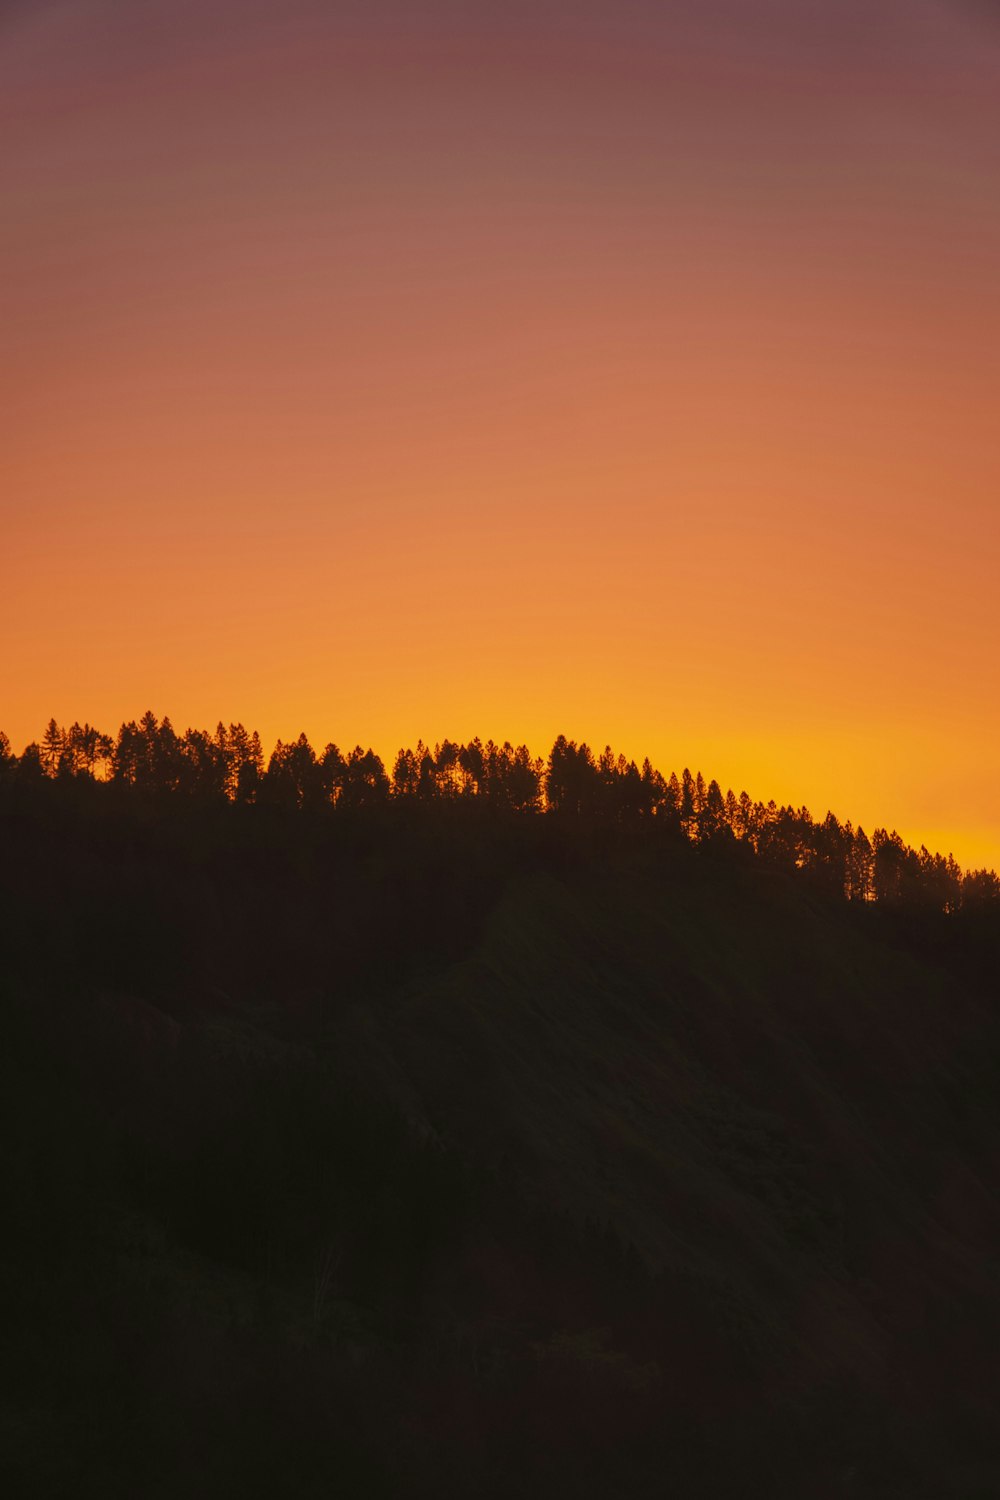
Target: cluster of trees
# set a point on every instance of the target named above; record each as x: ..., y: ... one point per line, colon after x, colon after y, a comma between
x: 150, y: 756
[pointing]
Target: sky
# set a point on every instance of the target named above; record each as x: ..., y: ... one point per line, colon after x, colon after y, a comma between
x: 627, y: 370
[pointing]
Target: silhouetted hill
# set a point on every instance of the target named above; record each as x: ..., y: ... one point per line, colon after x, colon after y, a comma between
x: 441, y: 1153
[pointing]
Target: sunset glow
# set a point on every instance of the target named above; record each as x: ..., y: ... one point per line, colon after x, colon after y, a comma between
x: 624, y: 371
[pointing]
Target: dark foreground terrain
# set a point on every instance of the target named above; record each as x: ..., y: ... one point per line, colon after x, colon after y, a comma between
x: 446, y: 1155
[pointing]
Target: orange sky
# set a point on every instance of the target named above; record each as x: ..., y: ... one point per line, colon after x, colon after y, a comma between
x: 622, y: 370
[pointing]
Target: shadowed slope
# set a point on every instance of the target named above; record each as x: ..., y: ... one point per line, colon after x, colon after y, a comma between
x: 591, y: 1168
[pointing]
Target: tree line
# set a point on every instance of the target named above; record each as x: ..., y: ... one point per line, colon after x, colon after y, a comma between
x: 149, y: 757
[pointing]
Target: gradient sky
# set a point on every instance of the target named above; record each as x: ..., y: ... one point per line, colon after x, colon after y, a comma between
x: 626, y: 369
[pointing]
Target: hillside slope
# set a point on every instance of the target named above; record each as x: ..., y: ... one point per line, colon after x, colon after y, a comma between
x: 605, y: 1170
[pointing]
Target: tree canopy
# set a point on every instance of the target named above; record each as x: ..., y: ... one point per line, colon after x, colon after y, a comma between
x: 150, y: 759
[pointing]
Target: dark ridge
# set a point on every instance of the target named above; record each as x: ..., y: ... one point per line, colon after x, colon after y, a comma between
x: 428, y: 1135
x: 150, y: 761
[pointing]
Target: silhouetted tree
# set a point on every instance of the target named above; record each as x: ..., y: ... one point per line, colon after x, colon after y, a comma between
x: 204, y: 762
x: 474, y: 766
x: 244, y: 760
x: 449, y: 777
x: 52, y: 746
x: 30, y: 766
x: 522, y: 780
x: 332, y: 770
x: 250, y: 771
x: 712, y: 824
x: 293, y: 778
x: 825, y: 853
x: 405, y: 774
x: 980, y: 888
x: 889, y: 865
x: 688, y: 806
x: 860, y: 874
x: 572, y: 780
x: 90, y: 751
x: 365, y: 781
x: 654, y: 789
